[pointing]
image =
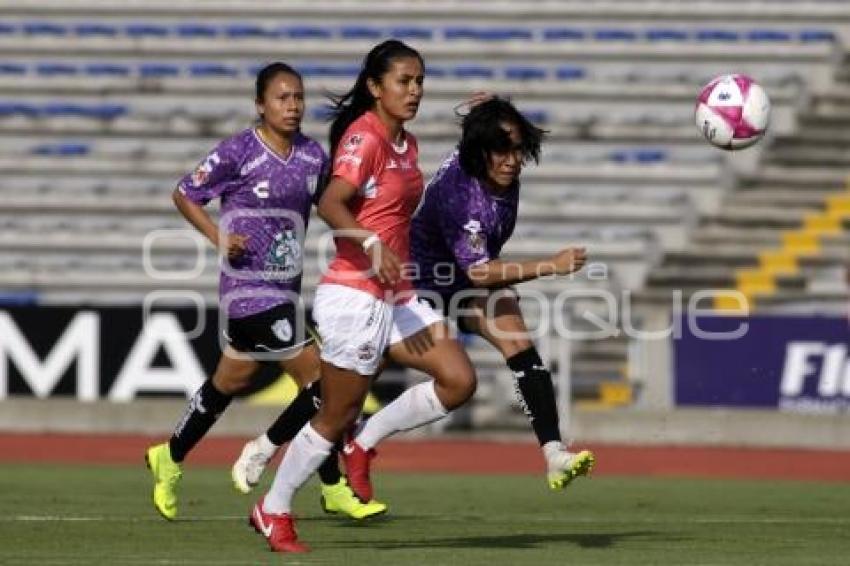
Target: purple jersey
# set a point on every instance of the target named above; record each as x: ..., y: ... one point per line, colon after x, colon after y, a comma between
x: 267, y: 198
x: 458, y: 225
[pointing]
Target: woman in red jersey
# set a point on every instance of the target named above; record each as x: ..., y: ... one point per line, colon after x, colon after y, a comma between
x: 365, y: 308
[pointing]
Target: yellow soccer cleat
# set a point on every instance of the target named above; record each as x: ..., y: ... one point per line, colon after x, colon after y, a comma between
x: 340, y: 499
x: 567, y: 467
x: 166, y: 475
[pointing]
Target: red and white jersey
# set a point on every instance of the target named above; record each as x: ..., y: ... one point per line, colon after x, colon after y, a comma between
x: 389, y: 189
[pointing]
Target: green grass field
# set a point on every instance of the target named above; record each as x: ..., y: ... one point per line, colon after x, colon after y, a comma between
x: 77, y: 515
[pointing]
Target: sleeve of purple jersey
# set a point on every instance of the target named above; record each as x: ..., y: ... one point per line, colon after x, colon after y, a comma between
x: 211, y: 177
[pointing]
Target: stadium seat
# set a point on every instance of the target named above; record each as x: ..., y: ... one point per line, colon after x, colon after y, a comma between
x: 50, y: 69
x: 614, y: 34
x: 212, y: 70
x: 717, y: 35
x: 95, y: 29
x: 459, y: 33
x: 139, y: 30
x: 13, y: 69
x: 247, y: 30
x: 436, y: 71
x: 816, y: 35
x: 321, y: 112
x: 107, y: 69
x: 158, y: 70
x: 536, y: 116
x: 562, y: 34
x: 196, y: 30
x: 505, y: 34
x: 473, y: 72
x: 44, y: 28
x: 61, y: 149
x: 569, y: 73
x: 19, y: 108
x: 7, y: 28
x: 328, y: 70
x: 767, y: 35
x: 666, y: 34
x: 306, y: 32
x: 525, y: 73
x: 411, y: 33
x: 360, y: 32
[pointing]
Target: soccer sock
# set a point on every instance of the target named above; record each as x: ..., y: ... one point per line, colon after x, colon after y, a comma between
x: 329, y: 469
x: 305, y: 453
x: 296, y: 415
x: 535, y: 393
x: 203, y: 410
x: 417, y: 406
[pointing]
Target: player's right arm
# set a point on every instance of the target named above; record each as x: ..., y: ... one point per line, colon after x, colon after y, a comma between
x: 498, y: 273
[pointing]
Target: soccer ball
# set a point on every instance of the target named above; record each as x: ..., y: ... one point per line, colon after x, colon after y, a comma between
x: 732, y: 111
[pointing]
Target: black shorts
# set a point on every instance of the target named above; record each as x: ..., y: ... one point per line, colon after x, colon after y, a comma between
x: 461, y: 305
x: 275, y: 330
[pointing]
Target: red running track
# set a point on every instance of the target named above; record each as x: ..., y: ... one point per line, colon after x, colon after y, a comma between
x: 466, y: 456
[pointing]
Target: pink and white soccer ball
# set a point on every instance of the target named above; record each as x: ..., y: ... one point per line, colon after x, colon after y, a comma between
x: 732, y: 111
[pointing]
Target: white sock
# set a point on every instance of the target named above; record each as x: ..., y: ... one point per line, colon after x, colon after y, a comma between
x: 415, y: 407
x: 305, y: 453
x: 266, y: 445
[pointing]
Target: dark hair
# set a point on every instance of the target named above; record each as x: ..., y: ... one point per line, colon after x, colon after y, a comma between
x: 270, y: 71
x: 482, y: 135
x: 347, y: 108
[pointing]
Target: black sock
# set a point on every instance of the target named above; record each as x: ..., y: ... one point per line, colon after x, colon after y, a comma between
x: 329, y: 470
x: 204, y: 408
x: 296, y: 415
x: 535, y: 393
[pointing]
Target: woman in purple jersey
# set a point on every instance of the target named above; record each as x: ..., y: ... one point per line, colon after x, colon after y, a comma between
x: 467, y: 215
x: 266, y: 178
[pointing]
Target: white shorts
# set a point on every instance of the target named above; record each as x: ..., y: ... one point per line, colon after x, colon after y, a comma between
x: 356, y: 328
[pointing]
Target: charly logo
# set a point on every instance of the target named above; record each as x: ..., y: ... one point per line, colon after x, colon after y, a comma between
x: 284, y: 258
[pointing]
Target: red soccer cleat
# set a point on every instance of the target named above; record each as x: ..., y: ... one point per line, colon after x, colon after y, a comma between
x: 279, y: 530
x: 357, y: 464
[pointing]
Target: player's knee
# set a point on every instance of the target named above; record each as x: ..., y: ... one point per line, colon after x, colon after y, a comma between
x: 232, y: 382
x: 458, y: 385
x: 513, y: 346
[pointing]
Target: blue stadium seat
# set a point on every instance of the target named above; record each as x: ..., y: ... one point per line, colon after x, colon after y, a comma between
x: 107, y: 69
x: 328, y: 70
x: 505, y: 34
x: 770, y: 35
x: 196, y: 30
x: 360, y: 32
x: 459, y: 33
x: 436, y: 71
x: 64, y: 109
x: 536, y: 116
x: 7, y: 28
x: 51, y: 69
x: 13, y: 69
x: 306, y: 32
x: 44, y: 28
x: 158, y: 70
x: 95, y: 29
x: 666, y: 34
x: 107, y: 111
x: 569, y: 73
x: 650, y: 155
x: 68, y: 149
x: 146, y: 30
x: 564, y: 34
x: 412, y: 33
x: 524, y: 73
x: 321, y: 112
x: 816, y: 35
x: 205, y: 69
x: 18, y: 298
x: 614, y: 34
x: 18, y: 108
x: 473, y: 72
x: 717, y: 35
x: 247, y: 30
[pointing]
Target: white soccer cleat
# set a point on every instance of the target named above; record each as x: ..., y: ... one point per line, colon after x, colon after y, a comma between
x: 249, y: 467
x: 563, y: 467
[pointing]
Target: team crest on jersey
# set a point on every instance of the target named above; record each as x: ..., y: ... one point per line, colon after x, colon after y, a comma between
x: 203, y: 171
x: 474, y: 236
x: 312, y: 184
x: 284, y: 258
x: 352, y: 143
x: 282, y: 329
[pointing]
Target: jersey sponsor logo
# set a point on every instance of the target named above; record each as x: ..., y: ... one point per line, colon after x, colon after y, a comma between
x: 284, y: 258
x: 349, y: 158
x: 203, y: 171
x: 253, y: 164
x: 369, y: 188
x: 282, y: 329
x: 303, y: 156
x: 392, y: 164
x: 474, y: 236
